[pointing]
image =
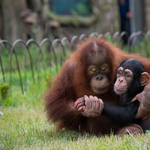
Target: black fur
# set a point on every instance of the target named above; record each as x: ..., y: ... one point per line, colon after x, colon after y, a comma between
x: 124, y: 113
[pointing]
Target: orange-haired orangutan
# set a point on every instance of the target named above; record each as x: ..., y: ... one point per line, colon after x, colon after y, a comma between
x: 90, y: 70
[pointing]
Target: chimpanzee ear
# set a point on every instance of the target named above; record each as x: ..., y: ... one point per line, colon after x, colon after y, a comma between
x: 145, y: 77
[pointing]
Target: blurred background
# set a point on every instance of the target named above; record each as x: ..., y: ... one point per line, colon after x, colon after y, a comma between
x: 39, y: 19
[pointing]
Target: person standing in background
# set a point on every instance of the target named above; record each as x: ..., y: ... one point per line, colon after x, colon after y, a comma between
x: 125, y: 16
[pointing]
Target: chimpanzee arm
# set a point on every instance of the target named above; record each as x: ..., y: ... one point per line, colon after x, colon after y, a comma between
x: 121, y: 114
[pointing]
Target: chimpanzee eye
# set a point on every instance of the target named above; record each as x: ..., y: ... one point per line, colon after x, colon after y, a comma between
x: 127, y: 75
x: 119, y: 72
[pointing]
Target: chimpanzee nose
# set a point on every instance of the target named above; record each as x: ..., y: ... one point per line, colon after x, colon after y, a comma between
x: 99, y: 77
x: 121, y: 79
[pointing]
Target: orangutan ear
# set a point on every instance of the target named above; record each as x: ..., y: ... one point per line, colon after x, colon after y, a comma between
x: 145, y: 77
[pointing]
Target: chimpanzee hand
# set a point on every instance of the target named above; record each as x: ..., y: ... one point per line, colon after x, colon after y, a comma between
x: 144, y: 99
x: 89, y: 106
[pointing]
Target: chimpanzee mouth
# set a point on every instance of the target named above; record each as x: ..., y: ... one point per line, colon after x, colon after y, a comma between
x: 120, y: 89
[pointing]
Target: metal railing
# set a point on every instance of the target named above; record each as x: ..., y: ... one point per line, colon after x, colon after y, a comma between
x: 64, y: 45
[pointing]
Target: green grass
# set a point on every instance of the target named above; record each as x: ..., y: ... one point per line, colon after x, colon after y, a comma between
x: 23, y: 125
x: 25, y: 128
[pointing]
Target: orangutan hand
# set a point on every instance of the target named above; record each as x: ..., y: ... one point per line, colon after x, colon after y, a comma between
x: 89, y: 106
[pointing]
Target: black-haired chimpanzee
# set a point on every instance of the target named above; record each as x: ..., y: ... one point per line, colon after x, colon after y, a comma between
x: 129, y: 81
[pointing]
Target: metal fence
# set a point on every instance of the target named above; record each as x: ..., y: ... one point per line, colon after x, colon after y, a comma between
x: 64, y: 45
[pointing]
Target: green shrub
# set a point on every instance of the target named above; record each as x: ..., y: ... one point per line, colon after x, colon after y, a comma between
x: 4, y: 92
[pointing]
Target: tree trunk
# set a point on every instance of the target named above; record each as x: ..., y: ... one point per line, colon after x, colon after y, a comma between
x: 13, y: 25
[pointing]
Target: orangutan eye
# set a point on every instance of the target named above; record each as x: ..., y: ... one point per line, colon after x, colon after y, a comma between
x: 94, y: 69
x: 103, y: 68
